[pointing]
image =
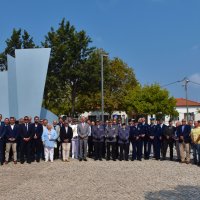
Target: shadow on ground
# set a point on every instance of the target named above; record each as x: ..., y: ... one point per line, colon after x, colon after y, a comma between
x: 181, y: 192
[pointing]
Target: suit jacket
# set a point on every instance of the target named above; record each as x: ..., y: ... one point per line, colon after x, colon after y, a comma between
x: 83, y: 131
x: 36, y: 130
x: 66, y: 135
x: 185, y: 133
x: 159, y: 131
x: 98, y: 133
x: 2, y: 132
x: 24, y: 133
x: 111, y: 133
x: 134, y: 132
x: 124, y: 135
x: 12, y: 133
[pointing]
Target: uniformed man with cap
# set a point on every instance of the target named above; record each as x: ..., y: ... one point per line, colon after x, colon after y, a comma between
x: 123, y: 141
x: 159, y: 138
x: 98, y: 139
x: 111, y: 133
x: 134, y: 139
x: 152, y: 129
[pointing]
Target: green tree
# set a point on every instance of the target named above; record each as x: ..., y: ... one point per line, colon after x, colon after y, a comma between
x: 119, y: 78
x: 67, y: 69
x: 150, y: 99
x: 16, y: 41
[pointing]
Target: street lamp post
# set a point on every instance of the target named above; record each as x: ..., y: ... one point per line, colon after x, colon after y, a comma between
x: 102, y: 88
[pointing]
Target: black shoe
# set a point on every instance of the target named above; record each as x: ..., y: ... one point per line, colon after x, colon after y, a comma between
x: 107, y: 159
x: 22, y: 162
x: 29, y: 162
x: 80, y: 159
x: 132, y: 159
x: 100, y: 159
x: 114, y: 159
x: 126, y: 159
x: 120, y: 159
x: 85, y: 159
x: 95, y: 159
x: 1, y: 163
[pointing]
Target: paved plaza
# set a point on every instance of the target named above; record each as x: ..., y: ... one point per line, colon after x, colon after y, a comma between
x: 149, y: 179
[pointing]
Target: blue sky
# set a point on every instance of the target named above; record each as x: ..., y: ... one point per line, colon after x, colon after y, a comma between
x: 160, y: 39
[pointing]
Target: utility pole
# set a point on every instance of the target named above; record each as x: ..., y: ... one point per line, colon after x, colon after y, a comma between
x: 186, y: 81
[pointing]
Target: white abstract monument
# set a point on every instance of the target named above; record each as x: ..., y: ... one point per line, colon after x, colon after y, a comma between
x: 22, y: 85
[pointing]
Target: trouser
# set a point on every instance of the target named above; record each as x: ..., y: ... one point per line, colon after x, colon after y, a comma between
x: 157, y: 144
x: 117, y: 148
x: 82, y: 148
x: 90, y: 146
x: 14, y: 150
x: 25, y: 149
x: 75, y: 148
x: 178, y: 150
x: 113, y: 145
x: 135, y: 150
x: 65, y: 150
x: 37, y: 149
x: 139, y: 144
x: 18, y: 148
x: 124, y: 147
x: 167, y: 143
x: 2, y: 151
x: 48, y: 153
x: 150, y: 145
x: 57, y: 150
x: 184, y: 147
x: 145, y: 142
x: 98, y: 150
x: 196, y: 153
x: 104, y: 149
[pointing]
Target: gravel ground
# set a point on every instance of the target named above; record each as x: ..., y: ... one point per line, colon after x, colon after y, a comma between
x: 149, y: 179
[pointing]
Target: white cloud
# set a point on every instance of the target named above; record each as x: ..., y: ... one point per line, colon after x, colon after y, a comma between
x: 195, y: 78
x: 196, y: 47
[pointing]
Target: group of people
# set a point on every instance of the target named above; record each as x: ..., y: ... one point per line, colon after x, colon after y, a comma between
x: 32, y: 141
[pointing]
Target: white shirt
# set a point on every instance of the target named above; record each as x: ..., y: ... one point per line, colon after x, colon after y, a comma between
x: 12, y: 126
x: 74, y: 129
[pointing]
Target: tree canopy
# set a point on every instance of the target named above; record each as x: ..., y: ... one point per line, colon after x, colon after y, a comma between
x: 150, y: 99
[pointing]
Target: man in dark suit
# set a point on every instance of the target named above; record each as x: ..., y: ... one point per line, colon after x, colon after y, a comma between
x: 26, y: 136
x: 168, y: 140
x: 36, y: 131
x: 184, y: 141
x: 11, y: 136
x: 134, y: 139
x: 159, y: 138
x: 2, y: 142
x: 66, y: 135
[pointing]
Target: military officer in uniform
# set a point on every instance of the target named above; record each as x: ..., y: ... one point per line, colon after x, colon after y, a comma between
x: 111, y: 134
x: 98, y: 140
x: 158, y: 138
x: 134, y: 139
x: 151, y: 140
x: 123, y: 140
